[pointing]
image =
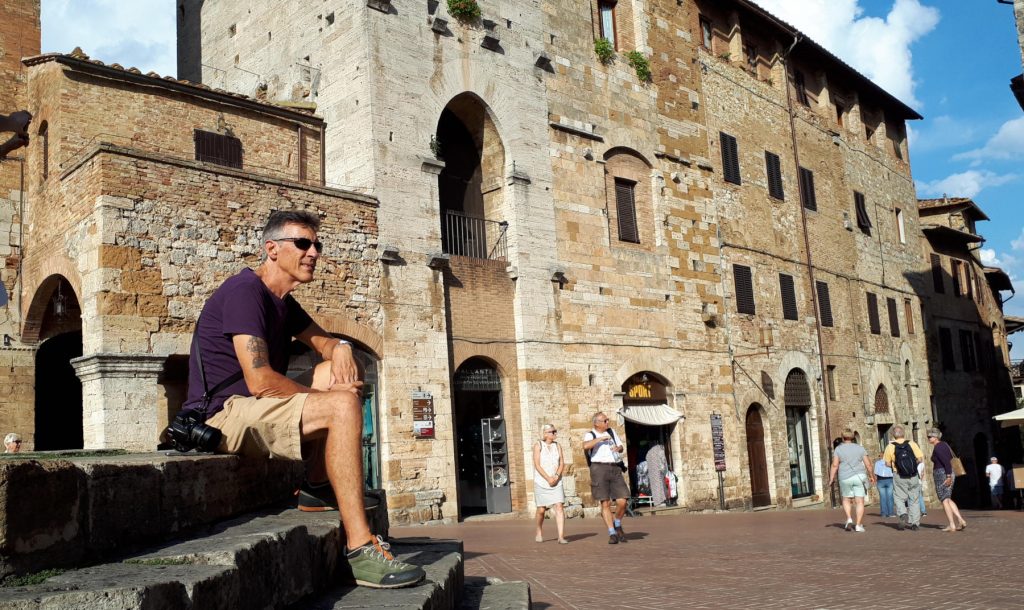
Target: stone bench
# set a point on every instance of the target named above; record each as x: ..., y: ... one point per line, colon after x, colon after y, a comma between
x: 66, y: 510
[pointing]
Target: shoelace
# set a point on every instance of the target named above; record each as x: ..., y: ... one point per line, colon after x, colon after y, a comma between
x: 382, y: 549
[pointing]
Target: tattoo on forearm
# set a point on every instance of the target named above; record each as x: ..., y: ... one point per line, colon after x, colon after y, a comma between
x: 258, y: 350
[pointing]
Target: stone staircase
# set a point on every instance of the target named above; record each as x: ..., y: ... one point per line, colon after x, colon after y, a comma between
x: 269, y: 556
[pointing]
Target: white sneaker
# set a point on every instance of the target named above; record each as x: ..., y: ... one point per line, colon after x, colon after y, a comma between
x: 849, y: 525
x: 859, y: 528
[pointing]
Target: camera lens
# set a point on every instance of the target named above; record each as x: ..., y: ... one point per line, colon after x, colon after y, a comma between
x: 206, y: 438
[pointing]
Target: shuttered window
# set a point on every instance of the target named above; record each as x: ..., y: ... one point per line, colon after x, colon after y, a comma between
x: 940, y: 286
x: 830, y: 378
x: 908, y: 313
x: 863, y: 220
x: 744, y: 289
x: 955, y: 268
x: 894, y: 320
x: 789, y: 310
x: 967, y: 350
x: 801, y: 88
x: 824, y: 304
x: 730, y: 158
x: 946, y: 346
x: 969, y: 280
x: 218, y: 148
x: 625, y: 208
x: 774, y: 170
x: 807, y: 189
x: 873, y: 322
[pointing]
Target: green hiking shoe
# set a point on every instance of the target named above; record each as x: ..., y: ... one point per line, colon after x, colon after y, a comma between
x: 372, y: 565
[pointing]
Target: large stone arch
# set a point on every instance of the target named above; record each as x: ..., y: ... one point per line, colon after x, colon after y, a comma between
x: 366, y: 336
x: 51, y: 272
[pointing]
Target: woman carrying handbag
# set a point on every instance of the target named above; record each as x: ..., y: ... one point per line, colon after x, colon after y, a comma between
x: 943, y: 476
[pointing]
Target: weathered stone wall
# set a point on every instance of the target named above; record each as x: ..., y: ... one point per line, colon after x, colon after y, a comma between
x: 19, y: 37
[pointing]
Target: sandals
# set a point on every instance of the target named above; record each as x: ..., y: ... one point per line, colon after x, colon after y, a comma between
x: 963, y: 526
x: 948, y: 529
x: 539, y: 538
x: 563, y: 541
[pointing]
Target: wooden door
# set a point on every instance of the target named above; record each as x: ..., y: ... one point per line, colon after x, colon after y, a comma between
x: 759, y: 490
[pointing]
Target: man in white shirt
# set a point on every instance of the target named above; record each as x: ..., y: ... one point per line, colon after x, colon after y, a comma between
x: 995, y: 482
x: 604, y: 447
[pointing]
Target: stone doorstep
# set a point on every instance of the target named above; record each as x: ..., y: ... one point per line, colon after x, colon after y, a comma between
x: 481, y: 593
x: 265, y: 560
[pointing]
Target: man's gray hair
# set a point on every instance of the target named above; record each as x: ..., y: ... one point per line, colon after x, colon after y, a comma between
x: 593, y: 419
x: 274, y: 229
x: 12, y: 437
x: 935, y: 432
x: 898, y: 432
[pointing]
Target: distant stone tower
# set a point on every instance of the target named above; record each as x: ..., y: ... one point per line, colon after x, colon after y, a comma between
x: 19, y: 37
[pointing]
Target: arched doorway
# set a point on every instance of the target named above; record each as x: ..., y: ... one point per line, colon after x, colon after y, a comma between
x: 58, y: 391
x: 649, y: 425
x: 881, y: 401
x: 760, y: 493
x: 300, y: 367
x: 798, y: 406
x: 481, y: 440
x: 470, y: 185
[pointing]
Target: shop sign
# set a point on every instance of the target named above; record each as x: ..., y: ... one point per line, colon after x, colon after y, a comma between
x: 422, y: 415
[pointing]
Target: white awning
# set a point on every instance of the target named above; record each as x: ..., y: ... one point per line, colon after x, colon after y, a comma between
x: 650, y: 415
x: 1011, y: 419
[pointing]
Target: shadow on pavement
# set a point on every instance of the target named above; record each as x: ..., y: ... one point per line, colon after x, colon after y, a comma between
x: 575, y: 537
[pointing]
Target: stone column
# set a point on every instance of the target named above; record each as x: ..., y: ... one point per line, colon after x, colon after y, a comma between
x: 119, y: 398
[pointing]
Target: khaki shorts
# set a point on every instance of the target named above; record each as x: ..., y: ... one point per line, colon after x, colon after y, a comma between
x: 606, y: 482
x: 261, y: 427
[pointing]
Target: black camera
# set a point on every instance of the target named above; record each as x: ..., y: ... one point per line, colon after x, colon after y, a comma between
x: 188, y: 431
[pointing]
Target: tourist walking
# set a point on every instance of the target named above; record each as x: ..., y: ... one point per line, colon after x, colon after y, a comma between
x: 903, y: 456
x: 994, y: 471
x: 942, y: 474
x: 604, y: 453
x: 852, y: 465
x: 883, y: 483
x: 548, y: 466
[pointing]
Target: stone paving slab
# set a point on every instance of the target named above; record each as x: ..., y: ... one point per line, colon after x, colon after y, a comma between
x: 771, y: 559
x: 264, y: 560
x: 494, y: 594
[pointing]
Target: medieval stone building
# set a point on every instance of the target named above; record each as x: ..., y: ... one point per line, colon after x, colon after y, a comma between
x: 705, y: 227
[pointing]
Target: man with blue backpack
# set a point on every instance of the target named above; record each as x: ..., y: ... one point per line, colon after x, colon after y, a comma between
x: 903, y: 456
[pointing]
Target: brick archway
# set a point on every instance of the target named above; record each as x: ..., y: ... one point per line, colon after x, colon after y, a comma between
x: 34, y: 313
x: 360, y: 333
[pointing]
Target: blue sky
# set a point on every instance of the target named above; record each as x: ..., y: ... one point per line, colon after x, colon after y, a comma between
x: 949, y: 59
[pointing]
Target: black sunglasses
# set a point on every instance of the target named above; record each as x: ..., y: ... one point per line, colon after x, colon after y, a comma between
x: 303, y: 243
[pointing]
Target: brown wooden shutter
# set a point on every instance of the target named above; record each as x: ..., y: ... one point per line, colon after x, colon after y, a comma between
x: 957, y: 286
x: 894, y: 321
x: 774, y: 170
x: 217, y: 148
x: 863, y: 220
x: 801, y: 88
x: 807, y: 189
x: 625, y: 208
x: 969, y: 277
x: 876, y: 327
x: 967, y: 350
x: 940, y: 286
x: 830, y: 377
x: 730, y: 158
x: 824, y: 304
x: 744, y: 289
x: 789, y: 310
x: 908, y: 313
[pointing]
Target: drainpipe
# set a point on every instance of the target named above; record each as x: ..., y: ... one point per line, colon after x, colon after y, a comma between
x: 810, y: 270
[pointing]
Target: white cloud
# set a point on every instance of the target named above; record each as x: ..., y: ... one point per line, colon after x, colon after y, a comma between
x: 988, y: 257
x: 139, y: 33
x: 964, y: 184
x: 1007, y: 144
x: 878, y: 48
x: 1018, y: 244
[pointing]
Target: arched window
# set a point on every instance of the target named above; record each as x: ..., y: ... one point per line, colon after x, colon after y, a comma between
x: 881, y: 400
x: 628, y: 185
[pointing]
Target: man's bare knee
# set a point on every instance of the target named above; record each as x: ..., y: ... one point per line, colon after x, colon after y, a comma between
x: 324, y: 410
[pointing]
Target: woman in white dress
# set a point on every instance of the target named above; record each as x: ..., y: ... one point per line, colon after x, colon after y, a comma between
x: 548, y: 465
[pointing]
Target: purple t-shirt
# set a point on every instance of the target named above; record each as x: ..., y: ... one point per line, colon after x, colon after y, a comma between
x: 243, y: 305
x: 942, y: 457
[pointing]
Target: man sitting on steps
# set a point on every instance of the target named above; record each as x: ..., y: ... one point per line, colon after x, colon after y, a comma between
x: 246, y: 327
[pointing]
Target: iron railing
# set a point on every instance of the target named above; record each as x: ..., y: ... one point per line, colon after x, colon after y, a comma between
x: 464, y: 235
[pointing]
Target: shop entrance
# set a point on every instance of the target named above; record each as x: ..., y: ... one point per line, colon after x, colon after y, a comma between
x: 649, y: 423
x: 798, y: 405
x: 481, y: 448
x: 760, y: 492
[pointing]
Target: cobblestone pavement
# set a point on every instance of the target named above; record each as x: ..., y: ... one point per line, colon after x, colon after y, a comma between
x: 786, y: 559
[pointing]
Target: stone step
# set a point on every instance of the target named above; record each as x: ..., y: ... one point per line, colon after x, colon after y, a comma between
x: 271, y: 559
x: 494, y: 594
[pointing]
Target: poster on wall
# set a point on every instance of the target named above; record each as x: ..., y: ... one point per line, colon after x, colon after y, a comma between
x: 718, y: 441
x: 422, y: 415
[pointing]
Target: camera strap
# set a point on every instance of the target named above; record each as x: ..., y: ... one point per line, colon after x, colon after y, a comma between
x: 208, y: 392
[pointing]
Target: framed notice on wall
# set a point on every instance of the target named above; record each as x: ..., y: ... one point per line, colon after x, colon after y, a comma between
x: 422, y: 415
x: 718, y: 441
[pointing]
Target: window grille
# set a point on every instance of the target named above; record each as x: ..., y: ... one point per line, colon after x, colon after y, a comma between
x: 218, y: 148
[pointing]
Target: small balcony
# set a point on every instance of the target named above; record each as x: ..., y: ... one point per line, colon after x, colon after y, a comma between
x: 473, y: 237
